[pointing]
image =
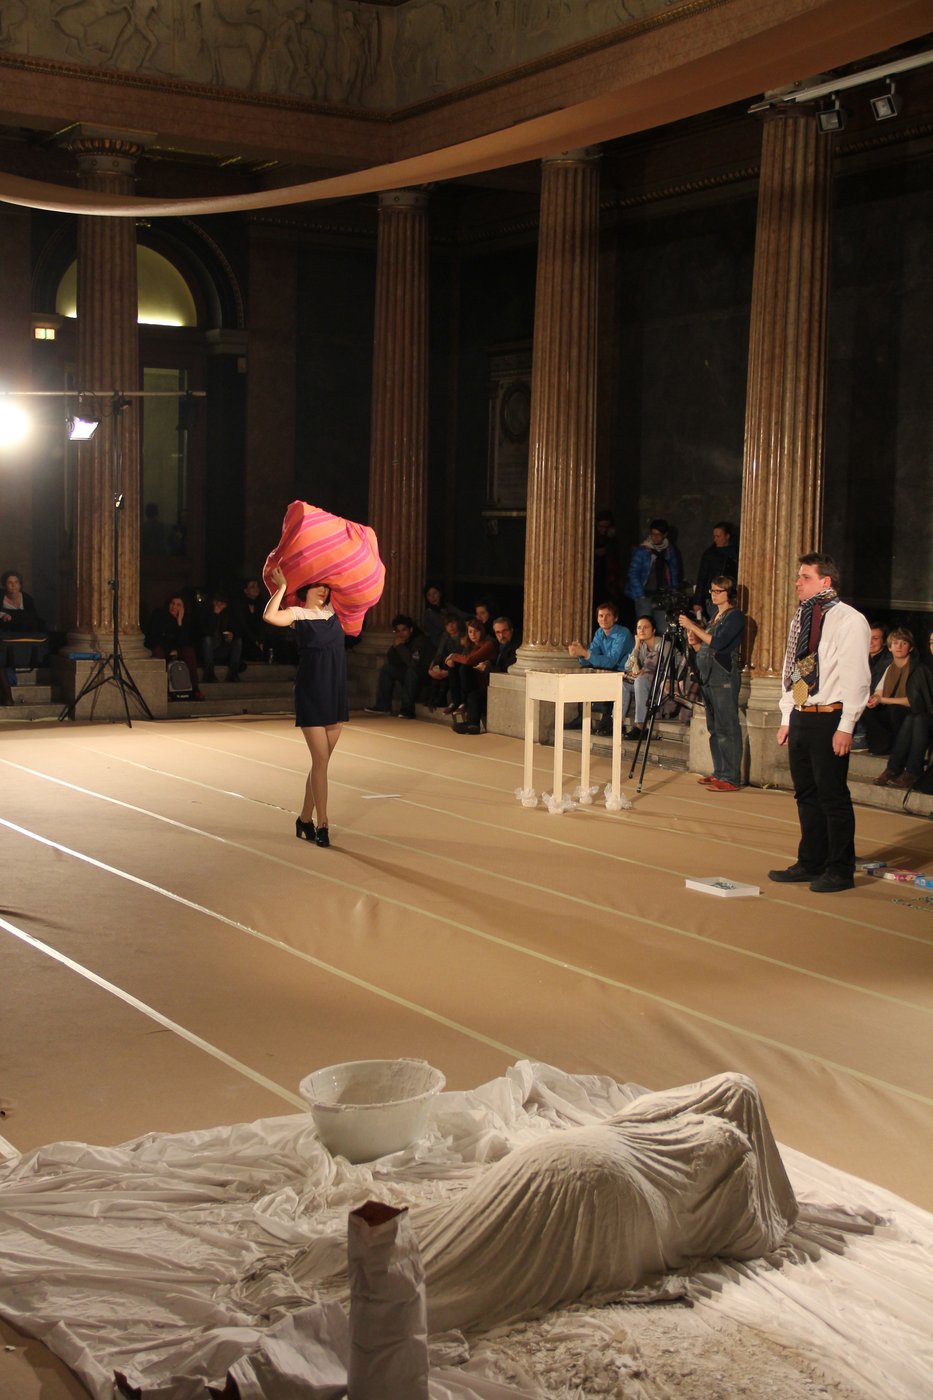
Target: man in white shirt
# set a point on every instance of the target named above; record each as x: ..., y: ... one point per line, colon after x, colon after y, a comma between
x: 826, y: 685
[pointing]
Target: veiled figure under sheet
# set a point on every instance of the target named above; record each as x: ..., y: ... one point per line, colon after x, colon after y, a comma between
x: 589, y: 1213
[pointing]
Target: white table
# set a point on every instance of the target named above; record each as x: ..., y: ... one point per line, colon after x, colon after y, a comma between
x: 573, y: 687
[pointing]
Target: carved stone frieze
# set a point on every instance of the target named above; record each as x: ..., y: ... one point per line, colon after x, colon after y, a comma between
x: 365, y: 56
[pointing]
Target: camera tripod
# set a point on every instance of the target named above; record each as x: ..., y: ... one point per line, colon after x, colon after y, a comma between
x: 112, y: 669
x: 674, y: 667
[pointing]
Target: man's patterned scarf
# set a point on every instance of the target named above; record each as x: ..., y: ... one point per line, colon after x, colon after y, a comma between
x: 802, y: 662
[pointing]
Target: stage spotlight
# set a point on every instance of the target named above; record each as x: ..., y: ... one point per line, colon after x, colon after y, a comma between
x: 81, y: 429
x: 887, y: 105
x: 15, y: 424
x: 832, y: 118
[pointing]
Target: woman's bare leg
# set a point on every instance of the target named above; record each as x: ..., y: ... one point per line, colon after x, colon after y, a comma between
x: 321, y: 741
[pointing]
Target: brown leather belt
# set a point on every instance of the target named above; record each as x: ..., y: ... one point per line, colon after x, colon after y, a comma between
x: 819, y: 709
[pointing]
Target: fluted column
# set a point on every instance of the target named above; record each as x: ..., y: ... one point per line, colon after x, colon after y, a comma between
x: 559, y: 540
x: 782, y: 485
x: 108, y: 361
x: 399, y: 440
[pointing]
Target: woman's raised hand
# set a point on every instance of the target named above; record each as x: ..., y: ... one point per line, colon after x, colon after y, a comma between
x: 278, y: 577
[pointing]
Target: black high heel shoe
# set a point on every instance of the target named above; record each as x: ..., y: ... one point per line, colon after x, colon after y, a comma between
x: 322, y: 836
x: 305, y: 830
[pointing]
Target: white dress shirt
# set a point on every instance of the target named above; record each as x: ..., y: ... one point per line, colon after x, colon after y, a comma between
x: 844, y: 670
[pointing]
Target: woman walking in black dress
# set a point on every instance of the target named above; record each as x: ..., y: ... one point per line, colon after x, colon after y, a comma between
x: 320, y: 691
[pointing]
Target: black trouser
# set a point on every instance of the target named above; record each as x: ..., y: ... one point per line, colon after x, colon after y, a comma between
x: 824, y: 807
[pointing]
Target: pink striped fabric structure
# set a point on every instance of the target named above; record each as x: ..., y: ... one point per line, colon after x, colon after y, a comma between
x: 317, y: 547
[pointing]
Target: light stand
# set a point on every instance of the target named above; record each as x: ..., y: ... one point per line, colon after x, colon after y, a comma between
x: 112, y: 669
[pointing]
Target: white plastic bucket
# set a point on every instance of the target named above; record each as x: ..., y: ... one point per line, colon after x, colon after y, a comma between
x: 364, y: 1109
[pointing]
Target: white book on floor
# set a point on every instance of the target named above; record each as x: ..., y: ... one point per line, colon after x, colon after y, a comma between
x: 718, y: 884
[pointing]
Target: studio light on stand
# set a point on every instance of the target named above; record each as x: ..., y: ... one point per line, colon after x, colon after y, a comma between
x: 887, y: 105
x: 110, y: 669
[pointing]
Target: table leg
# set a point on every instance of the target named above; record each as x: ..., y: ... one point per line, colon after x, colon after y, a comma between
x: 585, y: 745
x: 558, y: 747
x: 617, y: 746
x: 528, y: 779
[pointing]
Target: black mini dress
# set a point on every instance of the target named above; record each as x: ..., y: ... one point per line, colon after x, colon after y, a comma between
x: 321, y: 682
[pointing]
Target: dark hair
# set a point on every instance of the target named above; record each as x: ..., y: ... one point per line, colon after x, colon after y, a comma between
x: 825, y: 563
x: 475, y: 622
x: 427, y: 589
x: 726, y: 525
x: 403, y: 620
x: 302, y: 592
x: 219, y: 596
x: 503, y: 621
x: 7, y: 575
x: 605, y: 515
x: 659, y: 524
x: 609, y: 607
x: 646, y: 617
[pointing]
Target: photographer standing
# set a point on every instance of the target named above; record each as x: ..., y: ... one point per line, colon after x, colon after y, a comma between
x: 720, y: 670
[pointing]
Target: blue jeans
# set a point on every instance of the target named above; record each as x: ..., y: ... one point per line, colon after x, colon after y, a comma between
x: 231, y: 652
x: 721, y: 699
x: 910, y: 746
x: 641, y: 689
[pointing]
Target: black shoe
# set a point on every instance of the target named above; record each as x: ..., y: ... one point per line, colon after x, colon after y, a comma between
x: 635, y: 732
x: 465, y: 728
x: 829, y: 883
x: 209, y: 677
x: 406, y: 714
x: 375, y: 710
x: 231, y: 676
x: 322, y: 836
x: 604, y: 729
x: 795, y: 874
x: 305, y: 830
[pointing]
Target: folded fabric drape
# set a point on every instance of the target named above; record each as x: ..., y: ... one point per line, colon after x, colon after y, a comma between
x: 317, y: 547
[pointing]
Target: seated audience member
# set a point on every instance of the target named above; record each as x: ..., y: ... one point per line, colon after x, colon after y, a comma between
x: 439, y: 671
x: 436, y: 612
x: 640, y: 672
x: 654, y: 569
x: 899, y: 713
x: 507, y: 647
x: 484, y: 611
x: 405, y: 666
x: 221, y: 642
x: 721, y: 557
x: 246, y: 611
x: 609, y: 650
x: 23, y: 636
x: 464, y: 676
x: 172, y: 634
x: 879, y: 659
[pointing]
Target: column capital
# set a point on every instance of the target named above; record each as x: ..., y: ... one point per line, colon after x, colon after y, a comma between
x: 105, y: 151
x: 583, y: 155
x: 403, y: 199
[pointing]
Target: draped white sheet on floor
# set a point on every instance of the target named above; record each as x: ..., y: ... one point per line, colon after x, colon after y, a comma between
x: 177, y: 1260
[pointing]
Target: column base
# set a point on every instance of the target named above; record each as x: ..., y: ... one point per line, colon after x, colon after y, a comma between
x: 106, y: 701
x: 767, y: 763
x: 364, y: 662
